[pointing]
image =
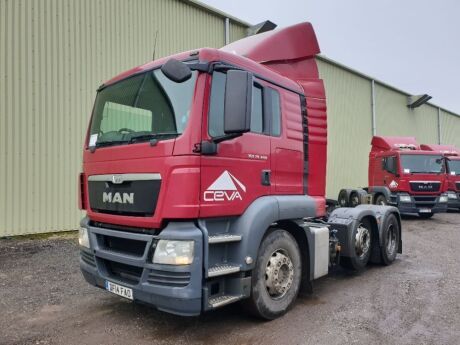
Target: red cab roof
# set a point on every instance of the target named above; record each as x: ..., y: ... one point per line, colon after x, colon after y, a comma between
x: 447, y: 150
x: 394, y: 143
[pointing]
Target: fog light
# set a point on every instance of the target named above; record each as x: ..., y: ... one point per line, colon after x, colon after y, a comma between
x: 443, y: 198
x: 173, y: 252
x: 451, y: 195
x: 405, y: 198
x: 83, y: 239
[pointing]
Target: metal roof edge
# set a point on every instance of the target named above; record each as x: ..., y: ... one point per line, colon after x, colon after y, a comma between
x: 216, y: 11
x: 366, y: 76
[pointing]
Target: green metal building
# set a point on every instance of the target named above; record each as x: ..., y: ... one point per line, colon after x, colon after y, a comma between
x: 55, y: 53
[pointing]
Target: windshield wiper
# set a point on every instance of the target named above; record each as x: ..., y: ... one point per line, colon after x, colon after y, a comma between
x: 151, y: 136
x: 110, y: 143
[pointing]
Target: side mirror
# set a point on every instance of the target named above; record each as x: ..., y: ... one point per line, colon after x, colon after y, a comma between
x: 177, y: 71
x: 238, y: 102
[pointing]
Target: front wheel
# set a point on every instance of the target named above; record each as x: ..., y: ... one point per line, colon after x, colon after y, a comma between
x: 276, y: 277
x: 426, y: 215
x: 381, y: 200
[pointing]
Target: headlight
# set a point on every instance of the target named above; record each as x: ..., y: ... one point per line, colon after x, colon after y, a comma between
x: 451, y: 195
x: 173, y: 252
x: 443, y: 198
x: 83, y: 239
x: 405, y: 198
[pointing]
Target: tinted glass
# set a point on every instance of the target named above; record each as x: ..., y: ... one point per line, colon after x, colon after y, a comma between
x: 422, y: 163
x: 257, y: 123
x: 454, y: 167
x: 276, y: 113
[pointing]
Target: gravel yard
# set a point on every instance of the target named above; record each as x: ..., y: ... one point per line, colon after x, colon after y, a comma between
x: 45, y: 300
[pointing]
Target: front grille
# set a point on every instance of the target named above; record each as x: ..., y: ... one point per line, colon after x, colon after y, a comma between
x: 131, y: 197
x: 88, y: 258
x: 425, y: 186
x: 167, y: 278
x: 127, y: 273
x: 122, y: 245
x: 425, y: 201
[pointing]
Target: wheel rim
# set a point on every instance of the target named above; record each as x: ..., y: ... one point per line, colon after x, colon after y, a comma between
x: 391, y: 240
x: 362, y: 241
x: 279, y: 274
x: 354, y: 200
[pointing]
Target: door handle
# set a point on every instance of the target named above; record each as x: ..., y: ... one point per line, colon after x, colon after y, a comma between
x: 266, y: 177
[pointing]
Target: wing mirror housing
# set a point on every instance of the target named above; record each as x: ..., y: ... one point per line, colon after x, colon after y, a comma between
x: 176, y: 70
x: 238, y: 102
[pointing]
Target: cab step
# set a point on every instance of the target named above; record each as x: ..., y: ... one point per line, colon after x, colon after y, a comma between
x: 220, y: 301
x: 222, y: 269
x: 223, y: 238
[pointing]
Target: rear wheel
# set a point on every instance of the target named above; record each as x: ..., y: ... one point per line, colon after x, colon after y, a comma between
x: 390, y: 240
x: 362, y: 244
x: 343, y: 198
x: 381, y: 200
x: 425, y: 215
x: 354, y: 199
x: 276, y: 277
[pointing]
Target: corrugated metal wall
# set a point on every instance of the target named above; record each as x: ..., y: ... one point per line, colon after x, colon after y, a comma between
x: 53, y: 56
x: 55, y: 53
x: 349, y: 102
x: 349, y: 127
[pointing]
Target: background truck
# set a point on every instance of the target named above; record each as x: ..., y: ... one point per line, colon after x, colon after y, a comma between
x: 403, y: 175
x: 204, y: 180
x: 452, y: 170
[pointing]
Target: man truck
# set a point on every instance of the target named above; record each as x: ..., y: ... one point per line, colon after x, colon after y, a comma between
x: 403, y: 175
x: 204, y: 180
x: 452, y: 172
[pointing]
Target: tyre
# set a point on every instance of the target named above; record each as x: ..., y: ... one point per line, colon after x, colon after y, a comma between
x: 354, y: 199
x: 362, y: 243
x: 425, y: 215
x: 390, y: 240
x: 276, y: 277
x: 343, y: 198
x: 381, y: 200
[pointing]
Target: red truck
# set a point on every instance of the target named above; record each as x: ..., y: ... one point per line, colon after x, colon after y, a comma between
x: 403, y: 175
x: 452, y: 170
x: 204, y: 180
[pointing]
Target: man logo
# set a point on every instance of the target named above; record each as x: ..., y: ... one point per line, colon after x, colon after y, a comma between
x: 224, y: 188
x: 118, y: 198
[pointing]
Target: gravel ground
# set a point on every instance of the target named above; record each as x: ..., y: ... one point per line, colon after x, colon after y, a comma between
x: 44, y: 300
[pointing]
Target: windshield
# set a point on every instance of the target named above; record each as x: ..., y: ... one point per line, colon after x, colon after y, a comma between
x: 454, y: 167
x: 422, y: 164
x: 143, y: 107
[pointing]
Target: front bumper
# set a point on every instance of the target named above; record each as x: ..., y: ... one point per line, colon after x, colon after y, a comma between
x: 174, y: 289
x: 421, y: 204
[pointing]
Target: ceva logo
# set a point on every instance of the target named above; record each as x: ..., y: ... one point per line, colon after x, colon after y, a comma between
x: 226, y: 188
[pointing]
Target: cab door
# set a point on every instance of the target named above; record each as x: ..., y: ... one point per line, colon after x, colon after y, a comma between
x: 239, y: 172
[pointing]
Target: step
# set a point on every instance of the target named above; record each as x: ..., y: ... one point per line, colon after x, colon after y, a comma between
x: 222, y: 269
x: 220, y: 301
x: 223, y: 238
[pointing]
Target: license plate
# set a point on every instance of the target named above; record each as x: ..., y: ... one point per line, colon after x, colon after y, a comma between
x: 119, y: 290
x: 425, y: 210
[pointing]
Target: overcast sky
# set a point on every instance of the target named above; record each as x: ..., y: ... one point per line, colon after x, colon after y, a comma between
x: 413, y: 45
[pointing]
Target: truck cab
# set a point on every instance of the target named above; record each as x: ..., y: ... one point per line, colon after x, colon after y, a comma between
x: 452, y: 171
x: 204, y: 179
x: 402, y: 174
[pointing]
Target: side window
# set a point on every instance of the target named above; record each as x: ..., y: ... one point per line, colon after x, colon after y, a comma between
x: 389, y: 164
x: 275, y: 109
x: 216, y: 107
x: 257, y: 115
